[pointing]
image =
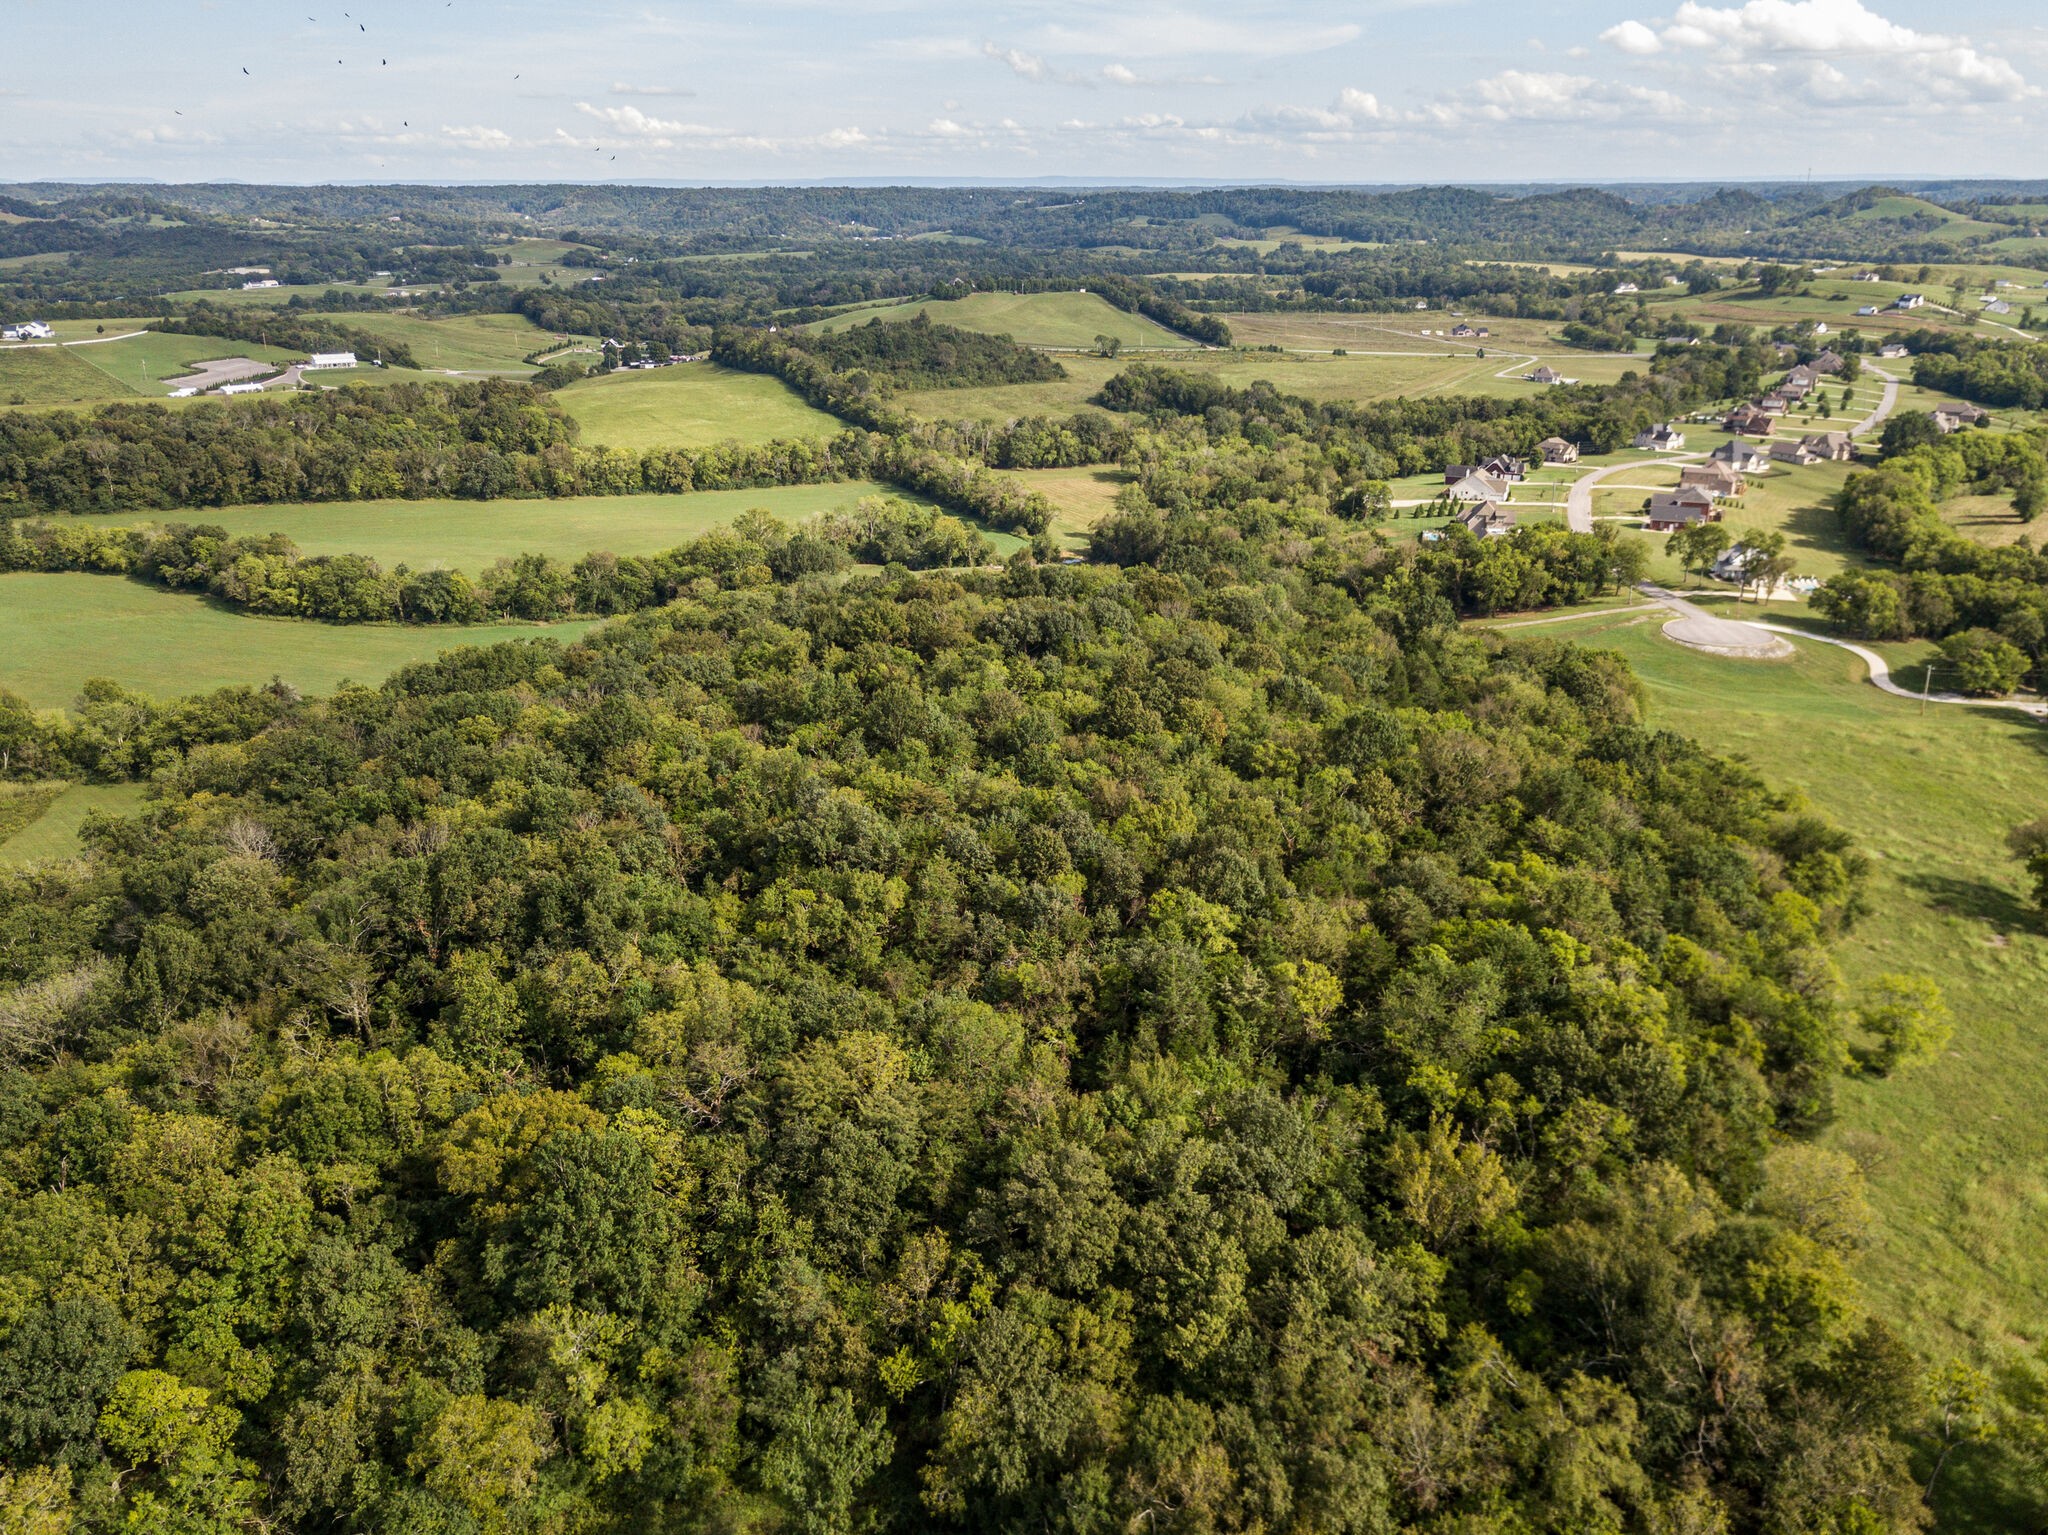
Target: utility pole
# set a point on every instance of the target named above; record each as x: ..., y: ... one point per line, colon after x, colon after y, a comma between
x: 1927, y: 688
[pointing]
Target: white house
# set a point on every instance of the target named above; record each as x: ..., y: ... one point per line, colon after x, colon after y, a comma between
x: 1911, y: 301
x: 28, y: 330
x: 261, y: 282
x: 185, y: 393
x: 320, y: 362
x: 1661, y: 439
x: 1866, y: 311
x: 241, y: 389
x: 1627, y: 287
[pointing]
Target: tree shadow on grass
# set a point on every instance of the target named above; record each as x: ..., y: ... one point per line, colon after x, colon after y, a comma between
x: 1976, y: 898
x: 1818, y: 528
x: 1985, y: 1491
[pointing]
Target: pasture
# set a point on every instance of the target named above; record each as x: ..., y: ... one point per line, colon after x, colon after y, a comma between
x: 471, y: 535
x: 469, y: 343
x: 1064, y: 320
x: 48, y: 831
x: 49, y: 376
x: 1956, y: 1152
x: 693, y: 405
x: 142, y: 363
x: 58, y: 630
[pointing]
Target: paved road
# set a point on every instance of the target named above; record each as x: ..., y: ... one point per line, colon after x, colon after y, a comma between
x: 1694, y: 626
x: 1885, y: 407
x: 1578, y: 507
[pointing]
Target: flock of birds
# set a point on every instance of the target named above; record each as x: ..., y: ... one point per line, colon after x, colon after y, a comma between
x: 384, y: 63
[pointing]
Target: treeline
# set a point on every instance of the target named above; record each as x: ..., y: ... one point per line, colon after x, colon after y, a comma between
x: 483, y: 441
x: 918, y: 354
x: 1038, y: 1050
x: 1988, y: 372
x: 266, y: 574
x: 1947, y: 586
x: 287, y: 327
x: 1412, y: 436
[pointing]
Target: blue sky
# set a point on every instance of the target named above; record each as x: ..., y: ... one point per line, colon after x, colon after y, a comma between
x: 1388, y: 90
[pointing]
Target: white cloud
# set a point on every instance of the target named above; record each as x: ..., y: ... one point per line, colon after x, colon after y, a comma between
x: 842, y: 138
x: 1633, y: 37
x: 1120, y: 74
x: 1837, y: 31
x: 620, y: 88
x: 478, y: 137
x: 633, y: 121
x: 1523, y: 96
x: 1027, y: 65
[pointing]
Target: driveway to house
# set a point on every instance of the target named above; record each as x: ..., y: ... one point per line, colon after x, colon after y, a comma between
x: 1885, y: 407
x: 1578, y: 506
x: 1752, y: 639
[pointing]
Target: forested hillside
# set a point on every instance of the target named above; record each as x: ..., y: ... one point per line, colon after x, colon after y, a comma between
x: 1203, y: 1046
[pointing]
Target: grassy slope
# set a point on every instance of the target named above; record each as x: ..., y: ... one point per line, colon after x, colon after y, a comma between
x: 1035, y: 319
x: 1956, y: 1152
x: 53, y: 376
x: 53, y: 835
x: 470, y: 343
x: 692, y: 406
x: 142, y: 363
x: 56, y: 631
x: 469, y: 535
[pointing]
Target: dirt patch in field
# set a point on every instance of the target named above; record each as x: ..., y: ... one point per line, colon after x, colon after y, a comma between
x: 225, y: 370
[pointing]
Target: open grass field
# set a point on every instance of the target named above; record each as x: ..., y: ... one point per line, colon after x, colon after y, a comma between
x: 51, y: 836
x: 470, y: 535
x: 691, y: 406
x: 1957, y: 1152
x: 278, y: 297
x: 58, y: 630
x: 142, y: 363
x: 1084, y: 497
x: 1034, y: 319
x: 469, y: 343
x: 46, y: 376
x: 534, y: 259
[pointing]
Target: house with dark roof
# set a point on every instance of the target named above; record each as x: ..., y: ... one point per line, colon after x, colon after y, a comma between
x: 1741, y: 457
x: 1545, y: 375
x: 1683, y: 508
x: 1478, y: 488
x: 1831, y: 447
x: 1487, y: 519
x: 1662, y: 438
x: 1716, y: 479
x: 1556, y: 450
x: 1749, y: 421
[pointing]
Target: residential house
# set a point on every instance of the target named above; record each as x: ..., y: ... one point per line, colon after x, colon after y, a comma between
x: 28, y: 330
x: 1487, y: 519
x: 1502, y: 467
x: 1556, y: 450
x: 1831, y: 447
x: 1910, y: 301
x: 1774, y: 404
x: 1998, y: 306
x: 1476, y: 489
x: 1716, y: 479
x: 1672, y: 509
x: 1459, y: 472
x: 1802, y: 378
x: 1627, y: 287
x: 1829, y: 362
x: 1465, y: 332
x: 1663, y: 438
x: 320, y: 362
x: 1866, y: 311
x: 1820, y: 327
x: 1794, y: 389
x: 1749, y: 421
x: 1894, y: 352
x: 1953, y: 418
x: 1741, y: 457
x: 1793, y: 453
x: 260, y: 282
x: 1868, y: 277
x: 1545, y: 375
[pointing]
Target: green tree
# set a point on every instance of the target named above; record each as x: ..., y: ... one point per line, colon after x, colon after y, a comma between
x: 1909, y: 1019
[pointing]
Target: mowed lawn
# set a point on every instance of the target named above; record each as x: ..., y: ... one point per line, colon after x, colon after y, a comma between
x: 58, y: 630
x: 466, y: 343
x: 1034, y: 319
x: 471, y: 535
x: 1956, y: 1151
x: 693, y: 405
x: 142, y: 363
x: 53, y: 835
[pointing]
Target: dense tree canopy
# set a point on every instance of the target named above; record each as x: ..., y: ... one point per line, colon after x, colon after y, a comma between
x: 1202, y: 1045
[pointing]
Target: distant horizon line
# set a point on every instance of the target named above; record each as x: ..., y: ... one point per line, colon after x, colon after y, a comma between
x: 1068, y: 183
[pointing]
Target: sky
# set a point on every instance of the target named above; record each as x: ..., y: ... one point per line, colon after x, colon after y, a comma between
x: 800, y: 90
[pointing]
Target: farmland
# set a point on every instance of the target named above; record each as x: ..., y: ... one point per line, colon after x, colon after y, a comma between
x: 43, y: 376
x: 1067, y: 320
x: 472, y: 343
x: 58, y: 630
x: 690, y: 406
x: 51, y: 832
x: 143, y: 363
x: 470, y: 535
